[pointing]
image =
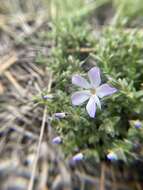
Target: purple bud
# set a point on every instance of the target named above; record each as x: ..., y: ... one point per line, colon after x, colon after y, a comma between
x: 112, y: 156
x: 48, y: 96
x: 77, y: 157
x: 56, y: 140
x: 59, y: 115
x: 138, y: 124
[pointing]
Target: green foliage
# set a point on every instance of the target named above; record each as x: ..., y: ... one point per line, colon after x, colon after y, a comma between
x: 127, y: 11
x: 70, y: 9
x: 119, y: 54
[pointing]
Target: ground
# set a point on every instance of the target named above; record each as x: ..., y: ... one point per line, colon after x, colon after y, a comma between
x: 38, y: 45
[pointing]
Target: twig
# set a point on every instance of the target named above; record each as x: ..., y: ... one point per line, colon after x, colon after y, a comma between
x: 113, y: 178
x: 138, y: 186
x: 102, y: 178
x: 31, y: 183
x: 81, y: 50
x: 14, y: 82
x: 50, y: 82
x: 44, y: 176
x: 37, y: 69
x: 39, y: 22
x: 10, y: 61
x: 1, y: 88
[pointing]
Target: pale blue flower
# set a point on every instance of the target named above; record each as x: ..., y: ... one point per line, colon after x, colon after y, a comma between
x: 92, y: 92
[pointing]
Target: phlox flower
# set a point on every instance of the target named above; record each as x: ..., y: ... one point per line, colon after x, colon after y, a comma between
x: 92, y: 91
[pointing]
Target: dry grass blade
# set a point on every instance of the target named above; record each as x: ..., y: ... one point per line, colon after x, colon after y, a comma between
x: 7, y: 61
x: 1, y: 88
x: 17, y: 86
x: 2, y: 20
x: 31, y: 184
x: 81, y: 50
x: 102, y: 178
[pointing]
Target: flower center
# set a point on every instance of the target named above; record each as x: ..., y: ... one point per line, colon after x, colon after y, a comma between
x: 93, y: 91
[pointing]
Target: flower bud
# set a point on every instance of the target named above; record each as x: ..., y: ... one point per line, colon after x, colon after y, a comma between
x: 77, y: 157
x: 112, y: 156
x: 47, y: 97
x: 59, y: 115
x: 56, y: 140
x: 138, y: 124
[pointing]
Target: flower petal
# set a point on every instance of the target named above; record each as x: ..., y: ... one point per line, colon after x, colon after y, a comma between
x: 80, y: 81
x: 80, y: 97
x: 97, y: 101
x: 91, y: 107
x: 94, y: 76
x: 105, y: 90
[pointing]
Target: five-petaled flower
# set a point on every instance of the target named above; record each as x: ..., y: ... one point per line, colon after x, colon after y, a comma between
x: 92, y: 91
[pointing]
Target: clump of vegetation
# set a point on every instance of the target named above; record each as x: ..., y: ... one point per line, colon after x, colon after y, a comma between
x: 118, y: 127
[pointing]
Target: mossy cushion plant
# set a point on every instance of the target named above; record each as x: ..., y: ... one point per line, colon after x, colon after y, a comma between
x: 116, y: 131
